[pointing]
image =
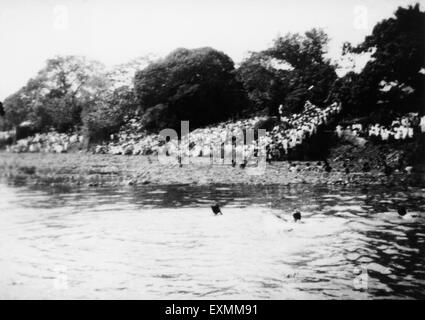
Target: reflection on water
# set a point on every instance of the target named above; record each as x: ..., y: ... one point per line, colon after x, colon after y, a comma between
x: 164, y: 242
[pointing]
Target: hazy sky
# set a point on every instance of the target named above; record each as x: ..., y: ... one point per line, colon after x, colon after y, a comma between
x: 114, y: 31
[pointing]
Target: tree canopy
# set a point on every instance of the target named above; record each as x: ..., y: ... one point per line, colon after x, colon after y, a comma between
x: 108, y: 113
x: 58, y: 94
x: 293, y: 70
x: 394, y: 78
x: 263, y: 83
x: 198, y: 85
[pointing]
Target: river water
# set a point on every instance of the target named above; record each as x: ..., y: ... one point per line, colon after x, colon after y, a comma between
x: 156, y: 242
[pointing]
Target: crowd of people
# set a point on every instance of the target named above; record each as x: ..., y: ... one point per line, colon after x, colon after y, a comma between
x: 51, y: 142
x: 227, y: 140
x: 130, y: 140
x: 295, y: 129
x: 401, y: 128
x: 201, y: 142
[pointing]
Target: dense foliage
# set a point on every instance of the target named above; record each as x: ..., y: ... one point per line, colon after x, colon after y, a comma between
x: 198, y: 85
x: 394, y: 79
x: 58, y: 94
x: 293, y: 70
x: 108, y: 113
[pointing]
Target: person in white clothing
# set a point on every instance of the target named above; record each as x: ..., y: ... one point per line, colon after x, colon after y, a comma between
x: 404, y: 132
x: 422, y: 124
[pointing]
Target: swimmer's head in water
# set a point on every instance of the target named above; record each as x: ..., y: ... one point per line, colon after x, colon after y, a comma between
x: 402, y: 211
x: 216, y: 209
x: 297, y: 216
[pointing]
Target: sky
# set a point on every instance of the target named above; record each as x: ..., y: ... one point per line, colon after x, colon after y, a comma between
x: 115, y: 31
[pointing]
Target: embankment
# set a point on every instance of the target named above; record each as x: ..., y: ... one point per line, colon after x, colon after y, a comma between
x: 105, y: 170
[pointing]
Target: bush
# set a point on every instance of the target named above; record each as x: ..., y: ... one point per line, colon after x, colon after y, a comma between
x: 158, y: 118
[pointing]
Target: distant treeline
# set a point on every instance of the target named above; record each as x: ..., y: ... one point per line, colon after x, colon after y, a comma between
x: 204, y: 86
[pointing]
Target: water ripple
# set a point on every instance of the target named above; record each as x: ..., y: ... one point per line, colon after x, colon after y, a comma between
x: 164, y: 242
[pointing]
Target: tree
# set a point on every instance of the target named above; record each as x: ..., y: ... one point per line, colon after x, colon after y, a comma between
x: 394, y: 78
x: 198, y: 85
x: 262, y: 82
x: 16, y: 109
x: 301, y: 51
x: 1, y: 109
x: 312, y: 75
x: 108, y: 113
x: 292, y: 71
x: 58, y: 94
x: 122, y: 75
x: 116, y: 103
x: 158, y: 117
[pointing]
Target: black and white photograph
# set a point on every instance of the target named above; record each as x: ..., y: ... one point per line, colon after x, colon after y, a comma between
x: 212, y: 150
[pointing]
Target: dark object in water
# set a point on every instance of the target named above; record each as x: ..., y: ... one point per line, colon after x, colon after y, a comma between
x: 297, y: 216
x: 347, y: 170
x: 402, y: 211
x: 233, y: 163
x: 216, y: 209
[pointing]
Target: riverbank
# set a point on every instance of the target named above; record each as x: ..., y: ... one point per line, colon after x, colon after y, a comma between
x: 97, y: 170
